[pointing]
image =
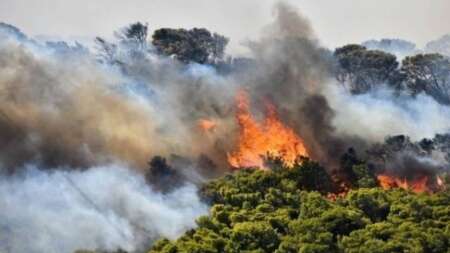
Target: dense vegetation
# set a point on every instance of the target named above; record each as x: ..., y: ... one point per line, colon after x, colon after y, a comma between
x: 286, y: 210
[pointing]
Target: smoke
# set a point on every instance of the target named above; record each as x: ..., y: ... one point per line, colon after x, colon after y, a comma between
x: 380, y: 113
x: 151, y: 105
x: 293, y: 70
x: 106, y: 208
x: 296, y: 72
x: 401, y: 157
x: 410, y: 164
x: 66, y: 109
x: 57, y: 111
x: 61, y: 109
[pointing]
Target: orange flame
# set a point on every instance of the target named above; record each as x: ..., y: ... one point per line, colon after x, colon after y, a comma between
x: 258, y: 140
x: 418, y: 185
x: 207, y: 125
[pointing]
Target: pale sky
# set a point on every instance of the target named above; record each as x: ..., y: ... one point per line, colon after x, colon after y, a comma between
x: 336, y: 22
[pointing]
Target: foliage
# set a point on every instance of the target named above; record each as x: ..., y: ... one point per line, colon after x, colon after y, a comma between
x: 361, y: 69
x: 161, y: 175
x: 132, y: 42
x: 356, y: 171
x: 134, y: 35
x: 195, y: 45
x: 281, y: 211
x: 428, y: 73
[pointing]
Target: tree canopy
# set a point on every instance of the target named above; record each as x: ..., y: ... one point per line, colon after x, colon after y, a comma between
x: 194, y: 45
x: 428, y: 73
x: 361, y: 69
x: 281, y: 211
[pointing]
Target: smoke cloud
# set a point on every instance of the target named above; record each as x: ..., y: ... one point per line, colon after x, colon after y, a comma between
x: 152, y: 106
x: 107, y: 207
x: 66, y: 109
x: 380, y: 113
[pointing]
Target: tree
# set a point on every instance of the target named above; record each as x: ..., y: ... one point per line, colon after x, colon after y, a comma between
x: 132, y: 42
x: 271, y: 211
x: 428, y: 73
x: 254, y: 236
x: 355, y: 171
x: 360, y: 69
x: 195, y: 45
x: 134, y: 35
x: 161, y: 175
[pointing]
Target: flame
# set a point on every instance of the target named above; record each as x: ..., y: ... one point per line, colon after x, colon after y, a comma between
x: 418, y: 185
x: 257, y: 140
x: 207, y: 125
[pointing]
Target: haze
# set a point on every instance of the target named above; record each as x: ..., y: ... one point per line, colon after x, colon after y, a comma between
x: 335, y: 22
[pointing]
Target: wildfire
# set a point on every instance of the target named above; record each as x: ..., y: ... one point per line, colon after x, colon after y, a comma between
x: 418, y: 185
x: 257, y: 140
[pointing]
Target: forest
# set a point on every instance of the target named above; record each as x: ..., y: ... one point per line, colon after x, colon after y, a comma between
x: 288, y: 210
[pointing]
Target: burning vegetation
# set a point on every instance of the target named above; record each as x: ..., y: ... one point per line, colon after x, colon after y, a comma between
x: 418, y: 185
x: 348, y: 151
x: 258, y: 141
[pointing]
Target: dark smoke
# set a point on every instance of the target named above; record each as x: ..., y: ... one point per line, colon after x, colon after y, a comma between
x: 400, y: 156
x: 293, y: 70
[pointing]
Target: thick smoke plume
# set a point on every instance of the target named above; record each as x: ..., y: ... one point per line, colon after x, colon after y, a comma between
x: 151, y: 105
x: 66, y: 109
x: 293, y: 71
x: 107, y: 208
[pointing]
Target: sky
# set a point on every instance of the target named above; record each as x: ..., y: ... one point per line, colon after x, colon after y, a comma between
x: 336, y: 22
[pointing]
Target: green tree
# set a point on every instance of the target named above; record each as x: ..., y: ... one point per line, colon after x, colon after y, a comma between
x: 196, y: 45
x: 254, y: 236
x: 360, y: 69
x: 134, y: 35
x: 279, y: 211
x: 428, y: 73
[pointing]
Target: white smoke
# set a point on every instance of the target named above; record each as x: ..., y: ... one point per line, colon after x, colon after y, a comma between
x: 380, y: 113
x: 104, y: 208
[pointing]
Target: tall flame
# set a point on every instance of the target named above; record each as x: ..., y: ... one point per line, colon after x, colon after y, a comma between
x: 257, y: 140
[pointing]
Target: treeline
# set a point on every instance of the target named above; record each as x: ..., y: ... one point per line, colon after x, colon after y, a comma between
x: 392, y: 63
x: 287, y: 210
x: 360, y: 68
x: 195, y: 45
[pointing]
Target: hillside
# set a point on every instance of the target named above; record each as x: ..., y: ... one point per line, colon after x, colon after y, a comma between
x: 282, y: 210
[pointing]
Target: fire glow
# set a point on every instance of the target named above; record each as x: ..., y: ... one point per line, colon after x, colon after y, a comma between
x: 258, y: 140
x: 418, y: 185
x: 207, y: 125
